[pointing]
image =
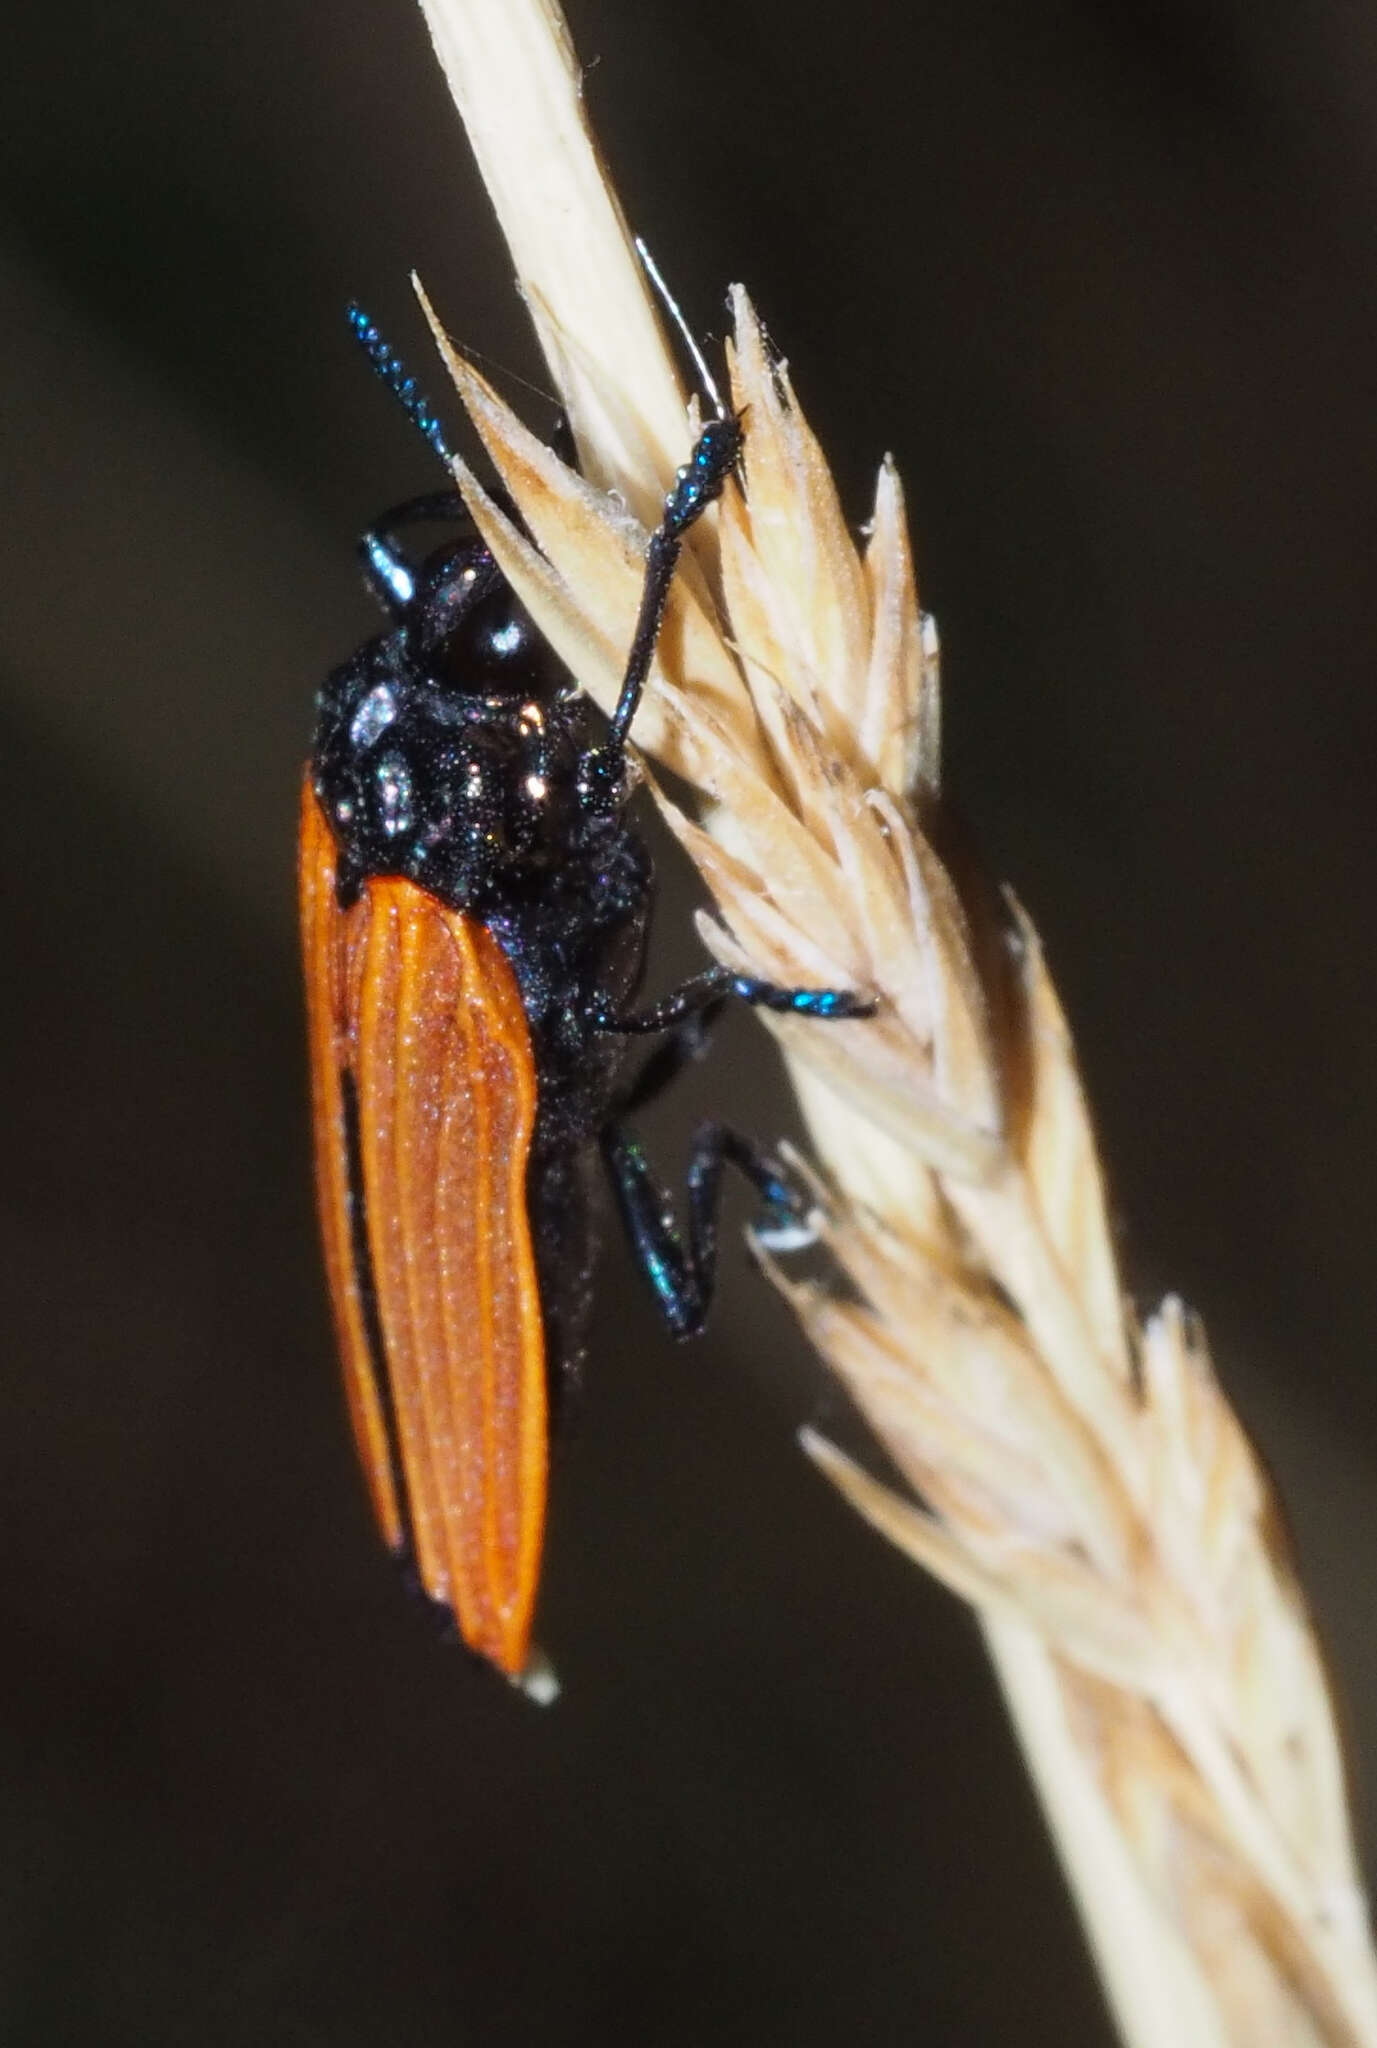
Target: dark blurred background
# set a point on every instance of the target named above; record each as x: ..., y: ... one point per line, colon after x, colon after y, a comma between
x: 1102, y: 277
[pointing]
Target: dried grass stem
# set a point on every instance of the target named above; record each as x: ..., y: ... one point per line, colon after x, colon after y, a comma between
x: 1077, y: 1476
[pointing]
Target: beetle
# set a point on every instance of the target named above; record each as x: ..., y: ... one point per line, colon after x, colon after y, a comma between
x: 474, y: 913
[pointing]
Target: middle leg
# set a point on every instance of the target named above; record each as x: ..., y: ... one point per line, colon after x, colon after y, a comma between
x: 714, y: 985
x: 681, y: 1264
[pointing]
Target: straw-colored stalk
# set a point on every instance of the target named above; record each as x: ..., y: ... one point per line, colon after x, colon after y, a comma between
x: 1082, y: 1480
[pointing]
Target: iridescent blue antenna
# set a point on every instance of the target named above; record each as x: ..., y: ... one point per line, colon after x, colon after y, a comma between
x: 393, y: 372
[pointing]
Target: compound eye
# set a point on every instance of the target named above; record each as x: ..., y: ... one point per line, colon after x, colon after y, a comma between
x: 492, y: 647
x: 475, y: 636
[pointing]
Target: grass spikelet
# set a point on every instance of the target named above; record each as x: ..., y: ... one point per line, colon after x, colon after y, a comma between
x: 1078, y: 1477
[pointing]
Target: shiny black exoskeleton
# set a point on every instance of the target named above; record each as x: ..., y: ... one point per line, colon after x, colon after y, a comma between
x: 456, y: 750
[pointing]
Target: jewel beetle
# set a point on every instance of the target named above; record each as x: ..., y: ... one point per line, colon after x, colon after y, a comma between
x: 474, y: 913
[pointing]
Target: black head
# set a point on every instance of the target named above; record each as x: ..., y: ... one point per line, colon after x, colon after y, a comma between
x: 456, y: 749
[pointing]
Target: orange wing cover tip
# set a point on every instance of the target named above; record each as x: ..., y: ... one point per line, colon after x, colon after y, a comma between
x: 417, y: 1008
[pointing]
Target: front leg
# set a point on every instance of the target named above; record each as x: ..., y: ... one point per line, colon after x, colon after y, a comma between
x: 387, y: 571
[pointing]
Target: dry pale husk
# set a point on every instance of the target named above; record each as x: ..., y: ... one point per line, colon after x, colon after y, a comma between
x: 1083, y: 1482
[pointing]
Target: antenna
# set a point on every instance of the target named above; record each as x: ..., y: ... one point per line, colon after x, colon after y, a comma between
x: 390, y: 367
x: 671, y: 306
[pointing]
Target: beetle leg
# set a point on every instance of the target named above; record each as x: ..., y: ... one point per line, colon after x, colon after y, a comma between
x: 389, y: 575
x: 681, y: 1265
x: 715, y: 984
x: 688, y: 1041
x: 715, y: 454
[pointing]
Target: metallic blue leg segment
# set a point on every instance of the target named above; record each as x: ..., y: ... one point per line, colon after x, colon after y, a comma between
x: 389, y: 575
x: 681, y: 1265
x: 715, y: 984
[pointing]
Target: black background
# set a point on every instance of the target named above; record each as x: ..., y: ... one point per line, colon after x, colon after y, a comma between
x: 1102, y: 277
